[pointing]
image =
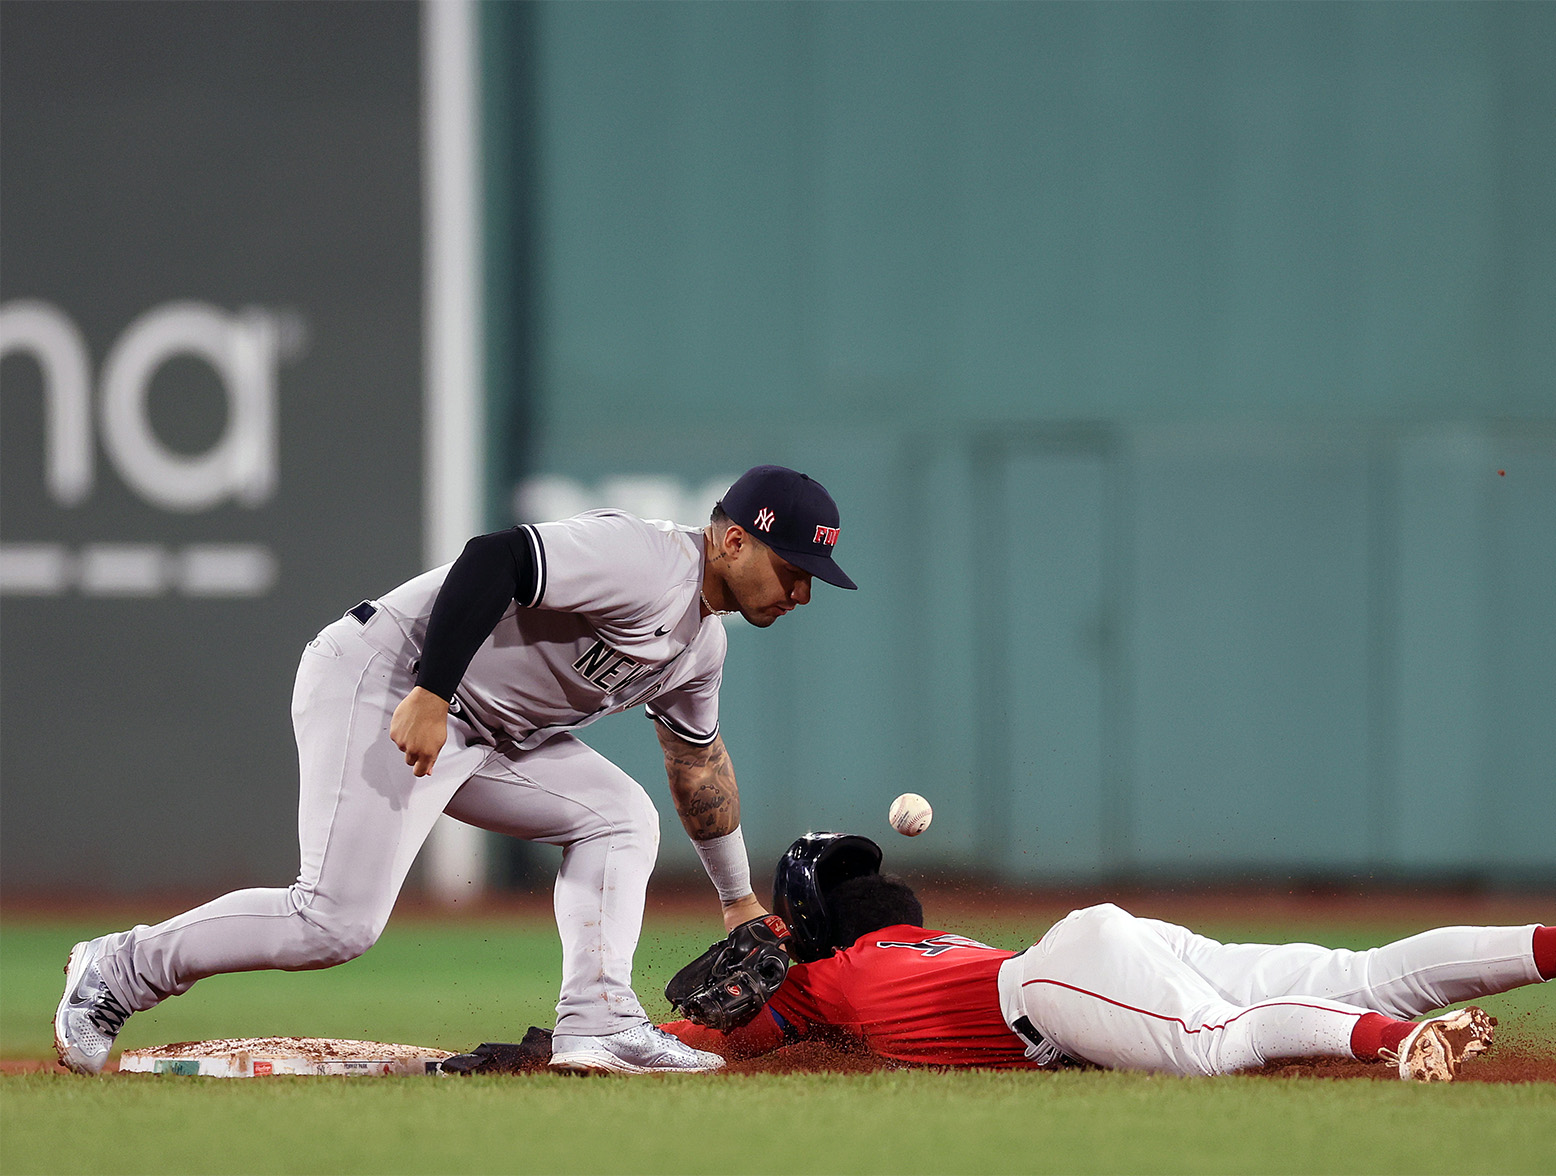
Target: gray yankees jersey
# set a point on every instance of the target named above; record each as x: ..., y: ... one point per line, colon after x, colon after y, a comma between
x: 614, y: 622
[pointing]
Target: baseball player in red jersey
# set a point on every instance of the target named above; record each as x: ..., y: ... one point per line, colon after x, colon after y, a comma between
x: 460, y: 692
x: 1107, y: 989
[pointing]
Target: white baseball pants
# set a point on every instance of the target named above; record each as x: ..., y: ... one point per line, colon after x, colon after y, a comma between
x: 363, y: 816
x: 1137, y: 994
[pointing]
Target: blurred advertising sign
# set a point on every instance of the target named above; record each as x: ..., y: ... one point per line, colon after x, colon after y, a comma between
x: 210, y: 414
x: 244, y: 352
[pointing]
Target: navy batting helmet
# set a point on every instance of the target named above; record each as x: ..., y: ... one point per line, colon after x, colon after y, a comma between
x: 806, y: 874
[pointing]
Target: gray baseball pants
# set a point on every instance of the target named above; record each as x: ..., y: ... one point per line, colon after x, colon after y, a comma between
x: 363, y: 816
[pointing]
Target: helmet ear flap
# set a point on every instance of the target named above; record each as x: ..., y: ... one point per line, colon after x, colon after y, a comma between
x: 807, y: 873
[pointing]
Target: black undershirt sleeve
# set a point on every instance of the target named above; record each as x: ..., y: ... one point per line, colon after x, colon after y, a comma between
x: 491, y: 573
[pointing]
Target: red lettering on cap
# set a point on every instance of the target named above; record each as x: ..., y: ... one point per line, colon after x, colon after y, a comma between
x: 827, y: 535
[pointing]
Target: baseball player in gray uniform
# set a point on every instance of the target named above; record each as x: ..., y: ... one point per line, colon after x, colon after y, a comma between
x: 460, y: 692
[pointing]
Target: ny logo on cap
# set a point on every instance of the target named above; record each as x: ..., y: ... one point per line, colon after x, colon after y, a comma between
x: 765, y: 519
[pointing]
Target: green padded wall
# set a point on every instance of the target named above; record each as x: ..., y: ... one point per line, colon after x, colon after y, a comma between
x: 1186, y: 375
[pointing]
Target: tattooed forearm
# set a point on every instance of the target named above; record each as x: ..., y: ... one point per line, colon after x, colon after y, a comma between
x: 705, y: 813
x: 688, y: 757
x: 702, y: 784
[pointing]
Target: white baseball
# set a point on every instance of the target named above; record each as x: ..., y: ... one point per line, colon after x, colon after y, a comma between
x: 910, y: 814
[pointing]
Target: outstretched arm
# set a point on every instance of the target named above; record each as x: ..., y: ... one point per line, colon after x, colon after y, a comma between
x: 761, y: 1036
x: 707, y: 799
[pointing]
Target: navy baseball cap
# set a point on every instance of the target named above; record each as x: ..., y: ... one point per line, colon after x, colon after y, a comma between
x: 793, y: 514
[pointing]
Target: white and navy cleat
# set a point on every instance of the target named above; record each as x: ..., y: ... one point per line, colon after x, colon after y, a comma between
x: 89, y: 1016
x: 642, y: 1049
x: 1435, y: 1048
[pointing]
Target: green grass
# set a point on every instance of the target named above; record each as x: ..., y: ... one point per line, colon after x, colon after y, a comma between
x: 884, y: 1122
x: 458, y: 984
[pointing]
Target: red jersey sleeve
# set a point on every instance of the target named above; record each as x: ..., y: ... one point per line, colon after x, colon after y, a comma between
x: 811, y: 998
x: 760, y: 1036
x: 808, y: 1000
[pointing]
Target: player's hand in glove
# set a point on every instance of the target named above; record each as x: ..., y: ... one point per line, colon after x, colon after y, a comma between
x: 726, y: 986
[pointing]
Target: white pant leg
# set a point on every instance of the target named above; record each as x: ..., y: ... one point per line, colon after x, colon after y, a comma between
x: 1405, y: 979
x: 1105, y: 987
x: 362, y: 817
x: 564, y: 793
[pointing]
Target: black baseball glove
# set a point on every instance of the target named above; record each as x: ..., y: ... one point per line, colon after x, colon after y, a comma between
x: 729, y: 983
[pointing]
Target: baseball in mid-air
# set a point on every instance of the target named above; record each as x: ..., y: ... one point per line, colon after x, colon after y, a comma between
x: 910, y: 814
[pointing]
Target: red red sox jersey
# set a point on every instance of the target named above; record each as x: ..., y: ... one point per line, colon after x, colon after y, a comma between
x: 910, y: 994
x: 613, y: 620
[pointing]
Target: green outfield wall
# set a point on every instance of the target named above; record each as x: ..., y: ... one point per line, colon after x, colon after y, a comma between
x: 1186, y: 374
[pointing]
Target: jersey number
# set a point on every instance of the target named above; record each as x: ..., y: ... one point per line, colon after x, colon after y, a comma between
x: 938, y: 944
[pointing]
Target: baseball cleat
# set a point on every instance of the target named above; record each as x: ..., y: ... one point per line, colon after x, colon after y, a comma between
x: 89, y: 1017
x: 642, y: 1049
x: 1436, y: 1047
